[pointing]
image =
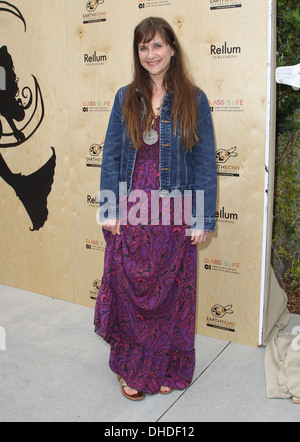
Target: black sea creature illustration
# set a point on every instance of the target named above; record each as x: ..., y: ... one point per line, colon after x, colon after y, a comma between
x: 22, y: 118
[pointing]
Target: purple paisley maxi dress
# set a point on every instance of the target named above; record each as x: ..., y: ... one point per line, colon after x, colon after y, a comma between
x: 147, y: 301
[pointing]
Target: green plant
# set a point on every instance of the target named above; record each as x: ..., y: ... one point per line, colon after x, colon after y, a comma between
x: 286, y: 232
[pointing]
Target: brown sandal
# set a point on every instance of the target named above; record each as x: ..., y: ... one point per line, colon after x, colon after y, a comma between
x: 166, y: 392
x: 134, y: 397
x: 296, y: 400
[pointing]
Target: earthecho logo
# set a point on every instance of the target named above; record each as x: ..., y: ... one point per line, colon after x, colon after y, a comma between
x: 94, y: 15
x: 224, y: 157
x: 92, y: 5
x: 216, y: 5
x: 95, y: 155
x: 216, y: 320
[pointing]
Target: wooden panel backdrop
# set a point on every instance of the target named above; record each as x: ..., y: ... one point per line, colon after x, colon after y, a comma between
x: 80, y: 58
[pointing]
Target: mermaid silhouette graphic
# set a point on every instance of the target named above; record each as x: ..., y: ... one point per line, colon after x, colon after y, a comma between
x: 22, y: 117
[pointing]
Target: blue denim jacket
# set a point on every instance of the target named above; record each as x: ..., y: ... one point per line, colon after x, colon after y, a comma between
x: 180, y: 170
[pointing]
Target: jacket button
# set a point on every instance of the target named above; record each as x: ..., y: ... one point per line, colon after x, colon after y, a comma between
x: 164, y: 192
x: 128, y: 172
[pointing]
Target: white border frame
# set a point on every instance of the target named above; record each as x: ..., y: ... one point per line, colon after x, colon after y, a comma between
x: 271, y: 18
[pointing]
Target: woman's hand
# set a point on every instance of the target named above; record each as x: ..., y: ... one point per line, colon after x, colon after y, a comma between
x: 112, y: 226
x: 199, y: 237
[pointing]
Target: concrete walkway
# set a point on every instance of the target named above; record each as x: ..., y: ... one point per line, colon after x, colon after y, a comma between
x: 55, y: 369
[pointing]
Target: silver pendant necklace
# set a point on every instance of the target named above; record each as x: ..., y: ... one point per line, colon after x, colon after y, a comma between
x: 151, y: 137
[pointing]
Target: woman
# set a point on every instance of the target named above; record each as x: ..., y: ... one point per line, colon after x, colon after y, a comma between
x: 159, y: 142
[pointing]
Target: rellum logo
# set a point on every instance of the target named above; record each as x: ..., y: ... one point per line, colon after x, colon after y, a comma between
x: 222, y: 214
x: 225, y: 49
x: 95, y: 58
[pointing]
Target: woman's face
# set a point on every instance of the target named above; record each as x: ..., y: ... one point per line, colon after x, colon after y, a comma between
x: 155, y: 57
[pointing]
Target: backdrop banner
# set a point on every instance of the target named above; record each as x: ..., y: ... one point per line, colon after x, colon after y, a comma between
x: 63, y: 63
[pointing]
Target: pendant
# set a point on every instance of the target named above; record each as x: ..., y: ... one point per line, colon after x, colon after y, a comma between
x: 150, y: 137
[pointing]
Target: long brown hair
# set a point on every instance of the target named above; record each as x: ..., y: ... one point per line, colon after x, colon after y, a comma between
x: 176, y: 80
